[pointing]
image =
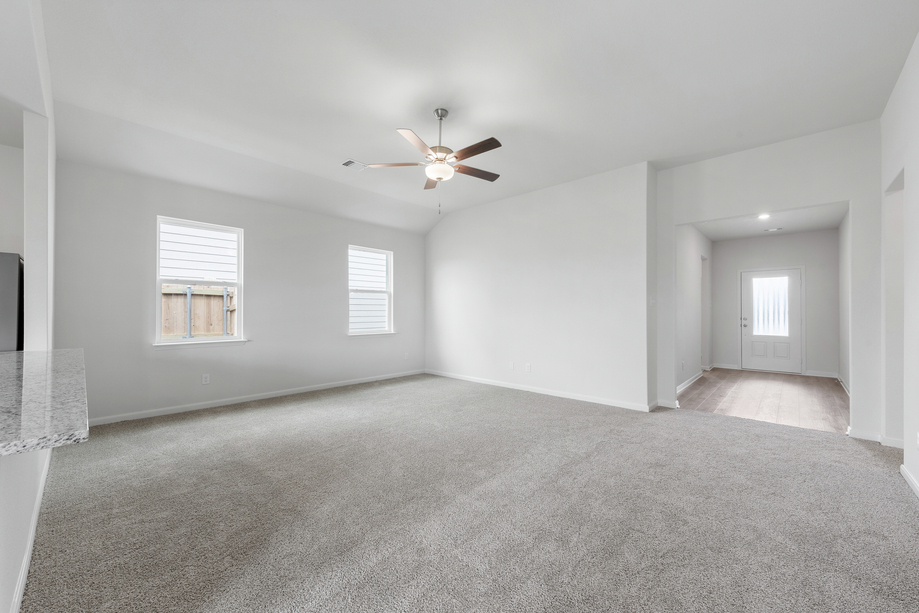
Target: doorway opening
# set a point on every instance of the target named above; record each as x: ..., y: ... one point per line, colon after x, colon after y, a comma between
x: 754, y: 337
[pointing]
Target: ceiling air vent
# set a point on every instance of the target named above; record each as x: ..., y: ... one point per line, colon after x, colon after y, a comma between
x: 354, y: 164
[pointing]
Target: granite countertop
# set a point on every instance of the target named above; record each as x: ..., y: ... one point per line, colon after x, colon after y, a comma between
x: 42, y: 400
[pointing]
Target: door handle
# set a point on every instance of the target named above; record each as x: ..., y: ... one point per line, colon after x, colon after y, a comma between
x: 745, y: 325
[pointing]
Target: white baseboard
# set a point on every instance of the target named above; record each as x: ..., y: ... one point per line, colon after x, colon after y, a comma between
x: 892, y: 442
x: 728, y: 366
x: 108, y: 419
x: 668, y: 405
x: 910, y: 479
x: 863, y: 435
x: 20, y: 588
x: 688, y: 382
x: 709, y: 367
x: 526, y: 388
x: 844, y: 386
x: 820, y: 373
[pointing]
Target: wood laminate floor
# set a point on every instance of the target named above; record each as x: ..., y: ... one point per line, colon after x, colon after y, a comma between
x: 817, y: 403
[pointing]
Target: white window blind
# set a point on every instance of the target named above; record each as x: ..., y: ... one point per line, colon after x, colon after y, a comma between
x: 770, y: 306
x: 370, y: 302
x: 197, y: 254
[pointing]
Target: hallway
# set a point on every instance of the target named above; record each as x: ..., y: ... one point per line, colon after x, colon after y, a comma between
x: 818, y: 403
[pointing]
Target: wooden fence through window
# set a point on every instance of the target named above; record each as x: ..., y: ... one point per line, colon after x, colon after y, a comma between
x: 206, y: 311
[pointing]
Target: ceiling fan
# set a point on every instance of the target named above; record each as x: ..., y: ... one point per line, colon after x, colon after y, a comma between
x: 442, y: 161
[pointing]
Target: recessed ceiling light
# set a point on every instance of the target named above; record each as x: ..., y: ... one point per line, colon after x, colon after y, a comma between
x: 764, y: 216
x: 772, y: 230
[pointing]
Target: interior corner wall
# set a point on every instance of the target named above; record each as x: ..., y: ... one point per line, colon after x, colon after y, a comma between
x: 833, y: 166
x: 651, y: 283
x: 556, y: 279
x: 845, y: 298
x: 39, y: 160
x: 295, y: 297
x: 691, y: 247
x: 900, y: 141
x: 893, y: 319
x: 11, y: 200
x: 818, y: 252
x: 666, y: 291
x: 707, y: 361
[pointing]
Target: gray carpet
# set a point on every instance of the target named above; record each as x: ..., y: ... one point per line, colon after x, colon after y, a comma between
x: 431, y: 494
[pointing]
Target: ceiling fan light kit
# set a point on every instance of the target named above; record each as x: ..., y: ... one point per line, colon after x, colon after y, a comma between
x: 442, y: 161
x: 439, y: 171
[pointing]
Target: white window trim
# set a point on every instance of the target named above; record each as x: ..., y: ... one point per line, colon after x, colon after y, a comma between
x: 237, y: 339
x: 391, y: 326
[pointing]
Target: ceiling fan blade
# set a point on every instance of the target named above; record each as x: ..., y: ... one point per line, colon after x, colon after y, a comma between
x: 475, y: 172
x: 430, y: 184
x: 486, y: 145
x: 395, y: 165
x: 417, y: 142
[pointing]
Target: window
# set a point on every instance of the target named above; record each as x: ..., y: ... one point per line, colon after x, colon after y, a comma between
x: 199, y: 282
x: 370, y: 289
x: 770, y: 306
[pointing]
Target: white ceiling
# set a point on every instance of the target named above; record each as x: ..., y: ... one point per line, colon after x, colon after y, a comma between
x: 570, y: 89
x: 807, y: 219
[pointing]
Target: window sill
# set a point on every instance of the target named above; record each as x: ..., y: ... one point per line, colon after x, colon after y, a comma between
x: 360, y: 334
x: 234, y: 341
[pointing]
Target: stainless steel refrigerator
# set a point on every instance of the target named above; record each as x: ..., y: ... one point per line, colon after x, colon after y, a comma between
x: 11, y: 317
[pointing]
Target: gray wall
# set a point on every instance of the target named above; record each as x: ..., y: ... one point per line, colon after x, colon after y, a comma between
x: 11, y: 200
x: 295, y: 297
x: 691, y: 247
x: 893, y: 319
x: 845, y: 299
x: 556, y: 278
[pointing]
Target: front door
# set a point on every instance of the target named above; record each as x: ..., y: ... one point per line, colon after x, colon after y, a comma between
x: 770, y: 320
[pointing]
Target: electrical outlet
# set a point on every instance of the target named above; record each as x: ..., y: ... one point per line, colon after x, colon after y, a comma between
x: 682, y: 365
x: 917, y: 439
x: 406, y: 356
x: 512, y: 366
x: 528, y: 367
x: 205, y: 379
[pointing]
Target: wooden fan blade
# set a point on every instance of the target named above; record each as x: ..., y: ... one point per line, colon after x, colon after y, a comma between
x: 486, y: 145
x: 416, y: 142
x: 431, y: 184
x: 395, y: 165
x: 475, y: 172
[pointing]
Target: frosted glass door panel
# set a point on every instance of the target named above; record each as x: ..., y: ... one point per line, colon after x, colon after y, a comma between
x: 770, y: 306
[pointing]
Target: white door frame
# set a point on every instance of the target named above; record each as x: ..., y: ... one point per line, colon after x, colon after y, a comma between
x: 803, y: 311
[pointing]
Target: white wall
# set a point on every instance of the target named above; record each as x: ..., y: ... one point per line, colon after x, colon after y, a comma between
x: 900, y: 129
x: 707, y: 361
x: 818, y: 252
x: 11, y: 201
x: 556, y: 278
x: 651, y: 283
x: 892, y: 260
x: 845, y: 299
x: 691, y: 247
x: 22, y: 481
x: 833, y: 166
x: 25, y: 81
x: 295, y: 297
x: 39, y: 161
